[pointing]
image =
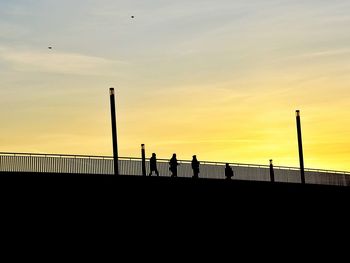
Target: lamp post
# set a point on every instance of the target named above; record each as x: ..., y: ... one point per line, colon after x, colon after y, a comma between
x: 300, y: 144
x: 272, y: 173
x: 143, y: 155
x: 114, y: 130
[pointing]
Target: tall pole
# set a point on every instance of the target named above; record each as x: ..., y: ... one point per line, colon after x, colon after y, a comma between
x: 300, y: 143
x: 114, y: 131
x: 272, y: 173
x: 143, y: 155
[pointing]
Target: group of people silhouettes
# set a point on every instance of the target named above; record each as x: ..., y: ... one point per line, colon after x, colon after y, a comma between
x: 173, y: 164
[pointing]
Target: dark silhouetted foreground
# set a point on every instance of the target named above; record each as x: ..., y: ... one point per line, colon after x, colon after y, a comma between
x: 158, y: 189
x: 143, y: 205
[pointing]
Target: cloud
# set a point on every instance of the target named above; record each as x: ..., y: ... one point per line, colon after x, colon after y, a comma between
x: 325, y: 53
x: 53, y: 61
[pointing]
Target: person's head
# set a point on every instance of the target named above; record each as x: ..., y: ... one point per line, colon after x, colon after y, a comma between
x: 153, y: 154
x: 194, y: 157
x: 227, y: 165
x: 174, y: 154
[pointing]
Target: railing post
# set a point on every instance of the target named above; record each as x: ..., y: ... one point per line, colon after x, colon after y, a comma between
x: 272, y: 173
x: 300, y: 144
x: 143, y: 155
x: 114, y: 131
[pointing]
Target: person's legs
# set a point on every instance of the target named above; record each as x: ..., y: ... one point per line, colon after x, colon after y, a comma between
x: 157, y: 173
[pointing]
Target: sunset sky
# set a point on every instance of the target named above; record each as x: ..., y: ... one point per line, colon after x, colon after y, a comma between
x: 220, y: 79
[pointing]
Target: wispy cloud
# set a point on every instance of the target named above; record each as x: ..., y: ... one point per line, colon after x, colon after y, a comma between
x: 323, y: 53
x: 52, y: 61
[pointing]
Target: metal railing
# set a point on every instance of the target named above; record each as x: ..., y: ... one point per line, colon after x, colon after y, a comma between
x: 82, y: 164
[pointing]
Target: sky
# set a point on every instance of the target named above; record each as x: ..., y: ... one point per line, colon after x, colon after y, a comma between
x: 220, y: 79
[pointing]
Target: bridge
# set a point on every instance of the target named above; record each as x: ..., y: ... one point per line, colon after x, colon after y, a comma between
x: 15, y: 163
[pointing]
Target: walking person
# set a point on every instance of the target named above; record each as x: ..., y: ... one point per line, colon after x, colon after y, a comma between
x: 228, y: 172
x: 173, y: 165
x: 195, y: 167
x: 153, y: 165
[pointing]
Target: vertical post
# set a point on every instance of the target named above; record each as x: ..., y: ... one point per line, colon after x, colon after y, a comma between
x: 272, y: 173
x: 300, y: 144
x: 114, y: 131
x: 143, y: 154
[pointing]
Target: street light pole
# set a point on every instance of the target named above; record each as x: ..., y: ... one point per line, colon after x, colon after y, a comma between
x: 143, y: 156
x: 272, y: 173
x: 300, y: 144
x: 114, y: 130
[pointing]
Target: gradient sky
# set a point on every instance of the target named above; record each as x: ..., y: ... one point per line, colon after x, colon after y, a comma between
x: 221, y: 79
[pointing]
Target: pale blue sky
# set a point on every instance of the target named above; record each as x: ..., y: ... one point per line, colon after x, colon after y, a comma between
x: 175, y: 58
x: 176, y: 37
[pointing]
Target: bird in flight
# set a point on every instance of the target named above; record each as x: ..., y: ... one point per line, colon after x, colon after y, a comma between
x: 49, y: 47
x: 132, y: 16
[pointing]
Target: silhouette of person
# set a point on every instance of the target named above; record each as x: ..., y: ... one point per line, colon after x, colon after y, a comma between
x: 228, y: 172
x: 173, y: 165
x: 195, y: 166
x: 153, y: 165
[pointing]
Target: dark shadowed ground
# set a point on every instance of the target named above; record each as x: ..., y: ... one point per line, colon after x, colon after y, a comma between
x: 167, y: 193
x: 172, y: 215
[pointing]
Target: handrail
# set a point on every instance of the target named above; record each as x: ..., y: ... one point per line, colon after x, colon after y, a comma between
x: 181, y: 161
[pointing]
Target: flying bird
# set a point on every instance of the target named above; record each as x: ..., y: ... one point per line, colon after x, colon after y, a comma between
x: 132, y: 16
x: 49, y: 47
